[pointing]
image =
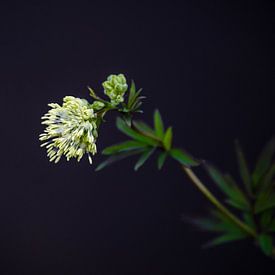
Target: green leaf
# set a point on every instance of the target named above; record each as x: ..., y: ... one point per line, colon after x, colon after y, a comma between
x: 116, y: 158
x: 228, y: 187
x: 183, y: 158
x: 265, y: 201
x: 264, y: 162
x: 243, y: 167
x: 238, y: 198
x: 265, y: 242
x: 209, y: 224
x: 249, y: 219
x: 225, y: 238
x: 267, y: 182
x: 124, y: 146
x: 271, y: 228
x: 124, y: 128
x: 143, y: 158
x: 158, y: 123
x: 131, y: 93
x: 144, y: 129
x: 167, y: 139
x: 266, y: 219
x: 161, y: 159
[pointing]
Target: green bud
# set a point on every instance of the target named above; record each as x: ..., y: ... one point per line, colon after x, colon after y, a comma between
x: 97, y: 105
x: 115, y: 87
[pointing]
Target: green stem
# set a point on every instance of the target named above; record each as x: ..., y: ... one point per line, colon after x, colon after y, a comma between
x: 196, y: 181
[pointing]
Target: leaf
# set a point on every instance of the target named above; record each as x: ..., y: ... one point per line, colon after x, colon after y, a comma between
x: 266, y: 219
x: 144, y: 129
x: 124, y: 146
x: 116, y: 158
x: 249, y: 220
x: 183, y: 157
x: 267, y: 182
x: 227, y: 224
x: 263, y: 162
x: 143, y: 158
x: 124, y: 128
x: 161, y: 159
x: 265, y: 201
x: 243, y: 167
x: 131, y: 93
x: 225, y: 238
x: 238, y: 198
x: 265, y: 242
x: 167, y: 139
x: 208, y: 224
x: 271, y: 228
x: 228, y: 187
x: 158, y: 123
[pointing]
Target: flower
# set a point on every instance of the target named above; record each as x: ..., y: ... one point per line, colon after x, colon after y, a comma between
x: 115, y: 87
x: 71, y: 130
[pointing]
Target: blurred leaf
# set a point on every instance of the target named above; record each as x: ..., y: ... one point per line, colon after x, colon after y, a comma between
x: 116, y: 158
x: 124, y: 128
x: 207, y: 224
x: 271, y: 228
x: 92, y: 93
x: 243, y: 167
x: 249, y: 219
x: 161, y: 159
x: 225, y: 238
x: 263, y: 162
x: 265, y: 201
x: 145, y: 129
x: 183, y: 157
x: 158, y: 123
x: 167, y: 139
x: 226, y: 223
x: 144, y: 157
x: 228, y: 187
x: 266, y: 219
x: 124, y: 146
x: 267, y: 182
x: 265, y: 242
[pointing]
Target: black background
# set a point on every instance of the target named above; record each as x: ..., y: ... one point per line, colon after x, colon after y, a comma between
x: 207, y: 65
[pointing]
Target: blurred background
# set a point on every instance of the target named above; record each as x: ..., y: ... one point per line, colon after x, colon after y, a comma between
x: 207, y: 65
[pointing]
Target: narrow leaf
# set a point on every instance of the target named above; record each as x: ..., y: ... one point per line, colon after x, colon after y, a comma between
x: 228, y: 187
x: 116, y: 158
x: 243, y: 167
x: 131, y: 93
x: 265, y: 242
x: 266, y: 219
x: 123, y: 127
x: 158, y: 123
x: 265, y: 201
x: 167, y: 139
x: 264, y: 161
x: 143, y: 158
x: 225, y: 238
x: 124, y: 146
x: 161, y: 159
x: 183, y: 158
x: 144, y: 129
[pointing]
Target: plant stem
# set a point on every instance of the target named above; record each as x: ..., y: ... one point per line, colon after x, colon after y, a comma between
x: 197, y: 182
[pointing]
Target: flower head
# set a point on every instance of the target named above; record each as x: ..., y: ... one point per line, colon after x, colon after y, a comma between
x: 71, y: 129
x: 115, y: 87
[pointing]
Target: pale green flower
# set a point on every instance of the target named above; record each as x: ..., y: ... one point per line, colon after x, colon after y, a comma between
x: 71, y: 129
x: 115, y: 87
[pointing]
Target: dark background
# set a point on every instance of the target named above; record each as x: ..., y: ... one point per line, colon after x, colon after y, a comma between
x: 207, y: 65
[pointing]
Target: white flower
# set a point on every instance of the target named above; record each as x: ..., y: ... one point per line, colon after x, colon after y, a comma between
x: 71, y: 129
